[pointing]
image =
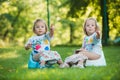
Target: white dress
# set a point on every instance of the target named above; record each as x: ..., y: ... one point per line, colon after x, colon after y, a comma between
x: 41, y: 44
x: 92, y: 44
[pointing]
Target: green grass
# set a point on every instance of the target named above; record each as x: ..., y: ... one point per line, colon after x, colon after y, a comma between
x: 13, y: 66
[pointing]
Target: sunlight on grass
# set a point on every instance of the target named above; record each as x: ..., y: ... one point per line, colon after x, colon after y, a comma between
x: 37, y: 73
x: 25, y: 66
x: 14, y: 66
x: 9, y: 55
x: 1, y: 67
x: 44, y: 74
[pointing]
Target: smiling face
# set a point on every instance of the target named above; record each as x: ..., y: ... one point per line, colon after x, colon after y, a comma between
x: 39, y: 27
x: 90, y: 27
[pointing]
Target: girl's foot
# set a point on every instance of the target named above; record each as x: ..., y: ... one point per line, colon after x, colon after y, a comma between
x: 78, y: 66
x: 42, y: 66
x: 64, y: 65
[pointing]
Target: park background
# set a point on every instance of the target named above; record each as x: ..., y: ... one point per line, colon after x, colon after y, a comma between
x: 16, y: 21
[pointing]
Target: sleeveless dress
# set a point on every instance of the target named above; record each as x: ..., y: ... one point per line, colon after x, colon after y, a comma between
x: 41, y: 45
x: 92, y: 44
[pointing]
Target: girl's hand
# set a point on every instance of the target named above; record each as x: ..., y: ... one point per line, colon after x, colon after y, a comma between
x: 28, y: 46
x: 98, y: 34
x: 82, y: 49
x: 79, y: 50
x: 51, y: 30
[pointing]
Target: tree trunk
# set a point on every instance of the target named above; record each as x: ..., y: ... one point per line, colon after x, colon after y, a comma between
x: 105, y: 27
x: 71, y: 33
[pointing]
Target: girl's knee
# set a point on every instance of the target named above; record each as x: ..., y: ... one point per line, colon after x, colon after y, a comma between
x: 42, y: 62
x: 60, y: 62
x: 96, y: 57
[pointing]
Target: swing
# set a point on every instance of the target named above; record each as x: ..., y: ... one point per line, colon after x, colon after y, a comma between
x: 50, y: 63
x: 34, y: 64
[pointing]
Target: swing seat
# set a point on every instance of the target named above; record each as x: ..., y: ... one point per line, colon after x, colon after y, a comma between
x: 34, y: 64
x: 98, y: 62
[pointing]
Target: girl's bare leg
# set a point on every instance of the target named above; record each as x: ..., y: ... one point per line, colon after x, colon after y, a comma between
x: 36, y: 57
x: 42, y: 64
x: 64, y: 65
x: 60, y: 62
x: 80, y: 64
x: 90, y: 55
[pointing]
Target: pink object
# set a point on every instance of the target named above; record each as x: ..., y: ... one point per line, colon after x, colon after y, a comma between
x: 37, y: 46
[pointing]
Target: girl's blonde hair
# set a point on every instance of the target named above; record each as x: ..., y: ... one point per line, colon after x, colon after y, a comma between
x: 96, y: 24
x: 39, y: 20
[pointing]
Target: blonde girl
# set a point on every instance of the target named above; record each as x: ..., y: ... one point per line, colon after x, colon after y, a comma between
x: 91, y: 53
x: 40, y: 44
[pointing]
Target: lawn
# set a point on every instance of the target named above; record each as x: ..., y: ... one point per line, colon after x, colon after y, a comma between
x: 13, y: 66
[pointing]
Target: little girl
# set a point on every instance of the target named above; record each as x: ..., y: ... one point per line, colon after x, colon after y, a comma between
x: 40, y: 44
x: 91, y: 53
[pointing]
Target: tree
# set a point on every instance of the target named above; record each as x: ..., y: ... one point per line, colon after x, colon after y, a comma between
x: 109, y: 20
x: 105, y: 27
x: 16, y: 18
x: 71, y: 25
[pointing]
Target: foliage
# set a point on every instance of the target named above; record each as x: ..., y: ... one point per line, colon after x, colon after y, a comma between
x: 94, y: 8
x: 114, y: 17
x: 17, y: 17
x: 13, y: 66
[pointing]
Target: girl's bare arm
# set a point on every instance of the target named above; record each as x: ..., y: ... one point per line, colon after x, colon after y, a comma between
x: 98, y: 34
x: 52, y: 30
